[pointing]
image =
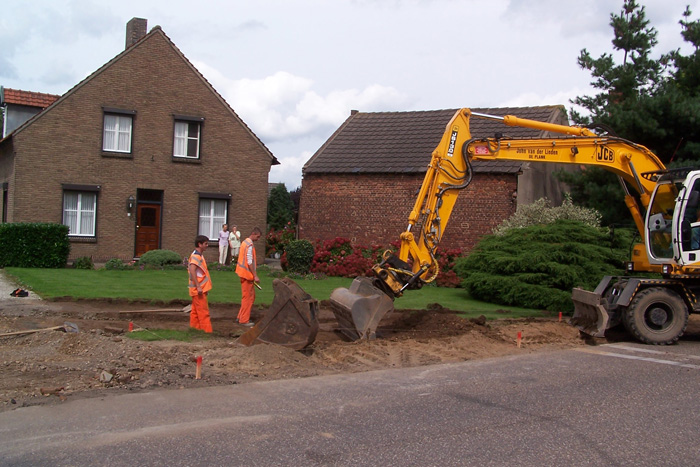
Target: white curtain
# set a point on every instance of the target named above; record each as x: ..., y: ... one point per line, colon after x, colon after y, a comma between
x: 117, y: 133
x: 212, y: 215
x: 79, y: 213
x: 109, y: 140
x: 181, y: 140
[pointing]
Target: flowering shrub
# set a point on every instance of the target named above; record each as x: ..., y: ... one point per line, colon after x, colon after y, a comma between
x: 337, y: 257
x: 541, y: 212
x: 277, y: 240
x: 446, y: 261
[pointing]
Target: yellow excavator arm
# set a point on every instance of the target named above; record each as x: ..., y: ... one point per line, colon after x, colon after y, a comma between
x: 449, y: 171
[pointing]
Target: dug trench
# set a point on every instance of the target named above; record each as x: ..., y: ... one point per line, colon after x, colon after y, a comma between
x: 51, y: 366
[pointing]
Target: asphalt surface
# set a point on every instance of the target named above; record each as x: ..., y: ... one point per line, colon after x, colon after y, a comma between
x: 621, y: 404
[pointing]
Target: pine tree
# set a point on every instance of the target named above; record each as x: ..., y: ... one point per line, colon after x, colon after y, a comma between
x: 638, y: 100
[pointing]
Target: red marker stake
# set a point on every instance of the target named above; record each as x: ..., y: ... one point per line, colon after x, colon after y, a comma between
x: 131, y: 326
x: 560, y: 316
x: 198, y: 374
x: 520, y: 338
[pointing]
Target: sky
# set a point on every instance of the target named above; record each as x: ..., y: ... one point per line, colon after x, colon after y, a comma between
x: 294, y: 69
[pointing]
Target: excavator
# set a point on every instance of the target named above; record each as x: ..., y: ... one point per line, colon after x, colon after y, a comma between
x: 664, y: 204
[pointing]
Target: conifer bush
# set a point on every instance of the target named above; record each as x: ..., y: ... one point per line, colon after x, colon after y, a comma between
x: 537, y: 266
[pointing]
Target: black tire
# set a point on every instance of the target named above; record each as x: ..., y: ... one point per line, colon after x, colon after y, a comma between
x: 656, y: 316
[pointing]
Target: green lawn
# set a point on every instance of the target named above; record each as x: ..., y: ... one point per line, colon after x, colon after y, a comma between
x: 165, y: 286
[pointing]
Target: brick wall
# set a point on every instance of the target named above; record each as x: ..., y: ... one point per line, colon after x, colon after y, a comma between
x: 374, y: 209
x: 64, y: 146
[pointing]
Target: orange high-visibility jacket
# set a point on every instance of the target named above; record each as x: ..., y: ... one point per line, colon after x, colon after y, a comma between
x: 243, y: 269
x: 203, y: 277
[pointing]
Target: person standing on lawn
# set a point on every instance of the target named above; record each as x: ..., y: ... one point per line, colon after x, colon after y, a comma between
x: 246, y: 268
x: 223, y: 244
x: 199, y: 286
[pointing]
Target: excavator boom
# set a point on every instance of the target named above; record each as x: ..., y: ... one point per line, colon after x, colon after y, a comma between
x: 450, y: 171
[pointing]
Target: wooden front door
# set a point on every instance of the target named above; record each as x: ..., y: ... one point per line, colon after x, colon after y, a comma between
x: 147, y: 228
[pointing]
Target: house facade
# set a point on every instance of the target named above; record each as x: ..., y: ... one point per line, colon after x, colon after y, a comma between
x: 362, y: 183
x: 143, y: 154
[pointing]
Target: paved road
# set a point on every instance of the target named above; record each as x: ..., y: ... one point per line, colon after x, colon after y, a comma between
x: 622, y: 404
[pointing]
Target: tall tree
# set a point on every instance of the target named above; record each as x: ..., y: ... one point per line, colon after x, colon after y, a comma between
x: 280, y: 208
x: 635, y: 102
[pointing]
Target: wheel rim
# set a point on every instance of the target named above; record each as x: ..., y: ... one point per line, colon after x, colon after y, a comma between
x: 658, y: 317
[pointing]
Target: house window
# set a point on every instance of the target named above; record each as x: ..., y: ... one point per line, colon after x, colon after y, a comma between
x: 187, y: 138
x: 212, y: 215
x: 79, y: 213
x: 117, y: 133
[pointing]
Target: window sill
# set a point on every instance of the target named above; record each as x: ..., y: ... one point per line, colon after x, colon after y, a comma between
x: 118, y: 155
x: 184, y: 160
x: 82, y: 239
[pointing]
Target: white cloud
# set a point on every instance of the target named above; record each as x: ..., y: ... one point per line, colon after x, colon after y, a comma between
x: 284, y: 109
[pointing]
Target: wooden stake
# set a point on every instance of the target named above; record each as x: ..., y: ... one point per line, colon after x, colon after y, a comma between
x: 520, y: 337
x: 198, y: 374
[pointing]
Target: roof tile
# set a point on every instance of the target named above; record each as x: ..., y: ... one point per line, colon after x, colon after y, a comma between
x: 28, y: 98
x: 391, y: 142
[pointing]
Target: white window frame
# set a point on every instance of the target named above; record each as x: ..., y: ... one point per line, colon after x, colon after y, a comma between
x: 213, y: 213
x: 183, y: 139
x: 80, y: 213
x: 117, y: 137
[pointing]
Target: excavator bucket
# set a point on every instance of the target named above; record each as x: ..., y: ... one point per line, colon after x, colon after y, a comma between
x: 360, y: 308
x: 291, y: 321
x: 590, y: 315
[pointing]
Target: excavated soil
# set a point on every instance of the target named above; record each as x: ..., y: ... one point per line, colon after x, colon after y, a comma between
x: 51, y: 366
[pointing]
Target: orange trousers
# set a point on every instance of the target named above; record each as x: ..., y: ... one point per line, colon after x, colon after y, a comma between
x: 247, y: 300
x: 199, y: 314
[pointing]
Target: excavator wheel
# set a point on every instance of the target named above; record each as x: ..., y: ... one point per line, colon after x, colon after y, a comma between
x: 359, y: 308
x: 656, y: 316
x: 291, y: 321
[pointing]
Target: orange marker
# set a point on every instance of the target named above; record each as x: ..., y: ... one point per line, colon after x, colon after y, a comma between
x: 198, y: 374
x: 131, y: 326
x: 520, y: 338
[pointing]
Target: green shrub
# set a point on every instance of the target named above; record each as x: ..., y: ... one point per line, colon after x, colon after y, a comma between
x: 537, y: 266
x: 541, y: 212
x: 160, y: 258
x: 84, y: 262
x: 299, y: 255
x: 116, y: 264
x: 34, y: 245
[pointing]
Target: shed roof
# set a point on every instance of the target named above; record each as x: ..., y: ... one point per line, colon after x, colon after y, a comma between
x: 403, y: 142
x: 28, y: 98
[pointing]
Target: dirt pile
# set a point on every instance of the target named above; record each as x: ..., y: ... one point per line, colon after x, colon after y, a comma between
x: 50, y: 366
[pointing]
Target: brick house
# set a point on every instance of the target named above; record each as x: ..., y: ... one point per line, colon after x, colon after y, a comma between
x: 143, y: 154
x: 362, y: 183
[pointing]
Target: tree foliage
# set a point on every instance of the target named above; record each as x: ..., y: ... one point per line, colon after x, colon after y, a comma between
x: 651, y: 101
x: 280, y: 208
x: 537, y: 266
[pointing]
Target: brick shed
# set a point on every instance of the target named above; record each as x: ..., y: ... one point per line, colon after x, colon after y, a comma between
x: 362, y: 183
x: 142, y: 154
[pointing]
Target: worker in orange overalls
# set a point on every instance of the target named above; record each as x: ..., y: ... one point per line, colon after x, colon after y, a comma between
x: 246, y: 268
x: 199, y: 286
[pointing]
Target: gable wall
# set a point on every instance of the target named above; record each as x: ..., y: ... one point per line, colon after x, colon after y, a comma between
x: 64, y: 146
x: 374, y: 209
